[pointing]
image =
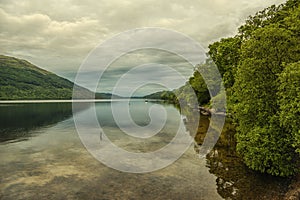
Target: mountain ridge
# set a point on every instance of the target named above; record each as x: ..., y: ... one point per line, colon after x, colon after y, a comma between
x: 21, y: 80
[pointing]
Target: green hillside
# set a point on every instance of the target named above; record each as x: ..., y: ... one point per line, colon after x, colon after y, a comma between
x: 20, y: 79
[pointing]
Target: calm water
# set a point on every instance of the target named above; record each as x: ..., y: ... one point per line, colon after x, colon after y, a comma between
x: 42, y: 157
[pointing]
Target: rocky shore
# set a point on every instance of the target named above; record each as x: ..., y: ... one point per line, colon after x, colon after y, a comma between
x: 294, y: 189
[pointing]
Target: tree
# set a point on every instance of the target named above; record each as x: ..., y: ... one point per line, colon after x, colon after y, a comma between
x: 199, y: 86
x: 289, y: 101
x: 225, y: 54
x: 263, y: 143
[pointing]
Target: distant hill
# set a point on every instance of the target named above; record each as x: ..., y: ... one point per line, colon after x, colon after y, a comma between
x: 21, y: 80
x: 162, y: 95
x: 107, y: 96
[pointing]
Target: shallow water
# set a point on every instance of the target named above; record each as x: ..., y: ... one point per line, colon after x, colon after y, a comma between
x: 42, y: 157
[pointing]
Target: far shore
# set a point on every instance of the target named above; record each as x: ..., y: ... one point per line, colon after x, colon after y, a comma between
x: 73, y: 100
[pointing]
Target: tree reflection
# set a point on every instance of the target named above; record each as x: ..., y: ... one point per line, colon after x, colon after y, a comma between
x: 234, y: 180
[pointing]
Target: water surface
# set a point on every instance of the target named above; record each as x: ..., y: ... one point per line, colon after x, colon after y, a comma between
x: 42, y: 157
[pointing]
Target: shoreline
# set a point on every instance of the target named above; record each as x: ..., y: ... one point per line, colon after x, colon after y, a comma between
x: 293, y: 192
x: 72, y: 101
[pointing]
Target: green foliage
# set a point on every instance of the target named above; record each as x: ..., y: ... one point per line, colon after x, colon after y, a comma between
x: 186, y: 95
x: 225, y: 54
x: 260, y: 71
x: 271, y: 15
x: 199, y: 86
x: 217, y: 102
x: 195, y: 90
x: 163, y: 95
x: 262, y: 92
x: 289, y: 101
x: 20, y: 80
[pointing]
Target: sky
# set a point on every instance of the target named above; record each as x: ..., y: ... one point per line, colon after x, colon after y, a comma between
x: 58, y: 35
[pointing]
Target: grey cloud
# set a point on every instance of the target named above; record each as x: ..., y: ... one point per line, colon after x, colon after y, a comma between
x: 58, y: 34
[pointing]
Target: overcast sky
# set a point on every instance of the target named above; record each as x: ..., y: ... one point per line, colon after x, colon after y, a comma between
x: 57, y: 35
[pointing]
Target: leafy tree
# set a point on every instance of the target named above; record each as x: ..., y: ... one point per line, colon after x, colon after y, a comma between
x: 199, y: 86
x: 289, y: 101
x: 264, y: 144
x: 225, y: 54
x: 255, y: 66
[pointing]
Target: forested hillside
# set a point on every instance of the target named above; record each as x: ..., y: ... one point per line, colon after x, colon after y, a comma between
x: 21, y: 80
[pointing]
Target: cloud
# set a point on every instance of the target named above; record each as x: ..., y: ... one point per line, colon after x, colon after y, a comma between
x: 58, y: 34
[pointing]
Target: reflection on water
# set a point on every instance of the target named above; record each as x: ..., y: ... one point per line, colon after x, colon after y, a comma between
x: 53, y: 164
x: 139, y: 111
x: 235, y: 180
x: 18, y: 120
